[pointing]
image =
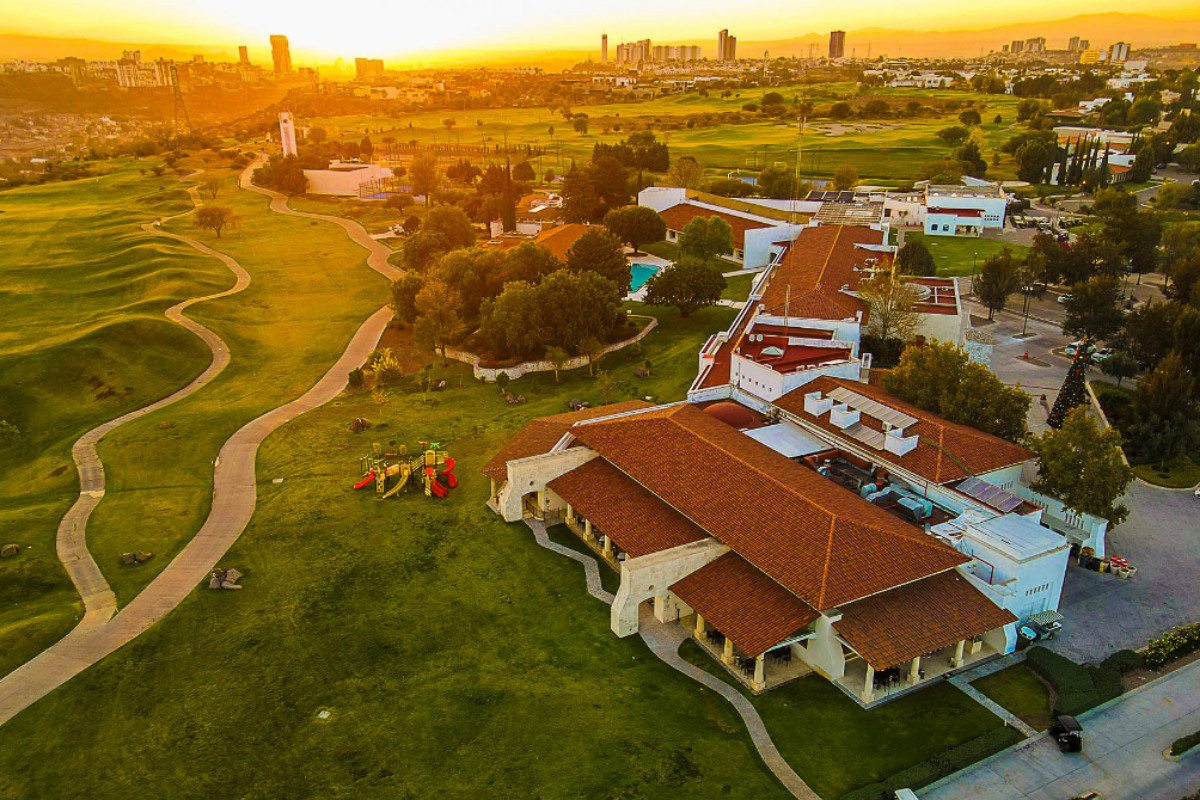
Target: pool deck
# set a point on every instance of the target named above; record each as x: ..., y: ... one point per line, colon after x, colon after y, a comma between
x: 639, y: 295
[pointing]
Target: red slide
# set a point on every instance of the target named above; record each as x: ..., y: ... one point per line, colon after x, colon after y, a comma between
x: 437, y: 490
x: 370, y: 477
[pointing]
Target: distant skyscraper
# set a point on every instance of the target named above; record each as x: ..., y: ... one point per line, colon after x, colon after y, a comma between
x: 1018, y: 46
x: 837, y: 44
x: 722, y: 41
x: 1035, y: 45
x: 243, y: 55
x: 1073, y: 45
x: 731, y: 49
x: 366, y: 68
x: 604, y: 48
x: 1119, y: 53
x: 281, y: 54
x: 287, y: 133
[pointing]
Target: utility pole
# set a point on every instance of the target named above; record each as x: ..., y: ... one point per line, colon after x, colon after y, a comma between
x: 180, y: 108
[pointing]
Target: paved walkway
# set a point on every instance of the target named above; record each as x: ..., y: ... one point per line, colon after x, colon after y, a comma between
x: 1122, y: 753
x: 664, y: 641
x: 963, y: 681
x: 234, y: 493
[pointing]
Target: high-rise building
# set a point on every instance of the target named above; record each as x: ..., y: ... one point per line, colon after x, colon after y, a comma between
x: 281, y: 54
x: 722, y: 43
x: 367, y: 68
x: 731, y: 49
x: 604, y: 48
x: 243, y: 55
x: 287, y: 133
x: 1118, y: 53
x: 1073, y: 44
x: 1035, y: 45
x: 837, y: 44
x: 1017, y: 47
x: 1085, y: 44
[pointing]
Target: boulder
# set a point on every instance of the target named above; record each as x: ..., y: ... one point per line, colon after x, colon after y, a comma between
x: 9, y: 550
x: 136, y: 557
x: 359, y: 425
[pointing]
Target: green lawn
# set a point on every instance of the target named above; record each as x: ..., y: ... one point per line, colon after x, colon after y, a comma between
x: 371, y: 214
x: 836, y: 746
x: 961, y: 255
x: 1179, y: 473
x: 738, y: 287
x: 1018, y: 690
x: 83, y: 340
x: 455, y: 657
x: 310, y: 290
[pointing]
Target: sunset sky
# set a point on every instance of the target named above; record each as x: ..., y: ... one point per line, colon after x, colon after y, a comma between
x: 383, y: 29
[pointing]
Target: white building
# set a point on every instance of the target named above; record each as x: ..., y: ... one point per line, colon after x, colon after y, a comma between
x: 287, y: 133
x: 346, y: 179
x: 964, y: 210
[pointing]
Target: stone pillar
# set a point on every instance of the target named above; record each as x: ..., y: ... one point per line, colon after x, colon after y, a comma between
x: 587, y: 530
x: 541, y: 502
x: 607, y: 546
x: 570, y: 513
x: 727, y: 656
x: 760, y: 672
x: 957, y: 661
x: 914, y: 672
x: 701, y: 633
x: 868, y: 692
x: 492, y: 496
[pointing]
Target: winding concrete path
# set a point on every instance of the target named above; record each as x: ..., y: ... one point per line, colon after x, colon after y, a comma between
x: 234, y: 491
x: 664, y: 641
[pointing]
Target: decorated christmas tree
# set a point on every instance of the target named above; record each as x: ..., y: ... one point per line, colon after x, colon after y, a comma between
x: 1073, y: 393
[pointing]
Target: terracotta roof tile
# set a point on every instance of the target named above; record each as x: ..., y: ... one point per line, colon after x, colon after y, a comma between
x: 539, y: 435
x: 816, y: 266
x: 894, y: 627
x: 678, y: 216
x: 744, y: 604
x: 558, y: 240
x: 636, y: 520
x: 943, y: 449
x: 822, y: 543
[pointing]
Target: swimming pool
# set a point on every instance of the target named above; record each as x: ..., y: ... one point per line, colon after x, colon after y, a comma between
x: 640, y: 274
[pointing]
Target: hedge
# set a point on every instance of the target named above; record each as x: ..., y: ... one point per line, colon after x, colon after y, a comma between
x: 1185, y: 743
x: 1172, y: 644
x: 1081, y: 688
x: 939, y: 766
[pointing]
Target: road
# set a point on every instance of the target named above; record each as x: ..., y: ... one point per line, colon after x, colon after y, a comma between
x: 1122, y: 754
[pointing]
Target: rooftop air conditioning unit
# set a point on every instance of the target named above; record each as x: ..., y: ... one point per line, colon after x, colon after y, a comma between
x: 843, y: 416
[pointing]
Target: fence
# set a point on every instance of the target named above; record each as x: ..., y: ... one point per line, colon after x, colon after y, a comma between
x: 488, y: 374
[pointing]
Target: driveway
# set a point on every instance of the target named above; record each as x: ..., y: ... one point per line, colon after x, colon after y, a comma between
x: 1122, y: 753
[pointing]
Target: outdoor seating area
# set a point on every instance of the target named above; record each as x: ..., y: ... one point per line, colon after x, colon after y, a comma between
x: 779, y: 666
x: 887, y: 684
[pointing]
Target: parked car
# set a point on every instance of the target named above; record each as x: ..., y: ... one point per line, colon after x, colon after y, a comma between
x: 1068, y: 734
x: 1073, y: 348
x: 1100, y: 355
x: 1062, y: 298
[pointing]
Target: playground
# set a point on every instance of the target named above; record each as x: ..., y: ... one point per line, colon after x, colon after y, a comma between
x: 391, y: 472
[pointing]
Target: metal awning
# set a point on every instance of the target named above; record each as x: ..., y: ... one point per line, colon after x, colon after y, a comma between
x: 1046, y: 617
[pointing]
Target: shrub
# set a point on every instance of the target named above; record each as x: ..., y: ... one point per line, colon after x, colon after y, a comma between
x: 939, y: 766
x: 1173, y: 644
x: 1185, y: 743
x: 388, y: 370
x: 356, y: 378
x: 1082, y: 688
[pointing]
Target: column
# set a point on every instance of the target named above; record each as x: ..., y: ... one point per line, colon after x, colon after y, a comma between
x: 868, y: 692
x: 957, y: 661
x: 492, y: 496
x: 701, y: 633
x: 608, y: 546
x: 727, y: 656
x: 587, y: 530
x: 541, y: 501
x: 760, y: 672
x: 914, y: 672
x: 570, y: 513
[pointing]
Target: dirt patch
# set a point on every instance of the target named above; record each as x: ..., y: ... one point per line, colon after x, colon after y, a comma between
x: 58, y: 471
x: 979, y: 322
x: 399, y: 339
x: 1139, y: 677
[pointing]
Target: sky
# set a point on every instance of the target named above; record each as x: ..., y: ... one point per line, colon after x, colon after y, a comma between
x: 390, y: 28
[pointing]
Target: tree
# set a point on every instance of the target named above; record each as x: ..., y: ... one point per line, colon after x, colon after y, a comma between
x: 1149, y: 330
x: 1033, y: 159
x: 523, y: 172
x: 600, y: 252
x: 845, y: 177
x: 215, y: 218
x: 1163, y: 420
x: 438, y: 317
x: 732, y: 187
x: 953, y: 134
x: 422, y: 249
x: 893, y: 306
x: 1119, y: 365
x: 592, y: 348
x: 1092, y: 309
x: 425, y: 175
x: 1073, y: 393
x: 559, y: 358
x: 636, y: 225
x: 317, y: 135
x: 941, y: 378
x: 686, y: 172
x: 451, y: 223
x: 705, y: 238
x: 380, y: 398
x: 996, y: 281
x: 970, y: 117
x: 475, y: 274
x: 530, y: 262
x: 213, y: 186
x: 404, y: 292
x: 914, y: 258
x: 780, y: 183
x: 580, y: 124
x: 841, y: 110
x: 411, y: 224
x: 1083, y: 467
x: 1143, y: 165
x: 689, y: 285
x: 502, y: 381
x: 580, y: 201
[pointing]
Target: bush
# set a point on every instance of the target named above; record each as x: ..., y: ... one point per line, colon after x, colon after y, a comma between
x: 1081, y: 688
x: 939, y: 766
x: 1173, y: 644
x: 1185, y: 743
x: 356, y: 378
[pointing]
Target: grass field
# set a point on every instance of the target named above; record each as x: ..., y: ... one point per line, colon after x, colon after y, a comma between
x: 310, y: 290
x: 893, y: 150
x: 456, y: 658
x: 962, y: 255
x: 738, y: 287
x: 1018, y: 690
x: 84, y: 340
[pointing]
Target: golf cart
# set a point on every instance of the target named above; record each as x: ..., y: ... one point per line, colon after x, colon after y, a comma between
x: 1042, y: 625
x: 1068, y: 733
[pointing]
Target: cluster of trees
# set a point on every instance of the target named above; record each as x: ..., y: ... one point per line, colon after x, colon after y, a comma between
x: 640, y: 150
x: 285, y: 174
x: 515, y: 303
x: 695, y: 281
x: 591, y: 191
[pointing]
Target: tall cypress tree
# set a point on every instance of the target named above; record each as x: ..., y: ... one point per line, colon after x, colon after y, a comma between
x: 1073, y: 392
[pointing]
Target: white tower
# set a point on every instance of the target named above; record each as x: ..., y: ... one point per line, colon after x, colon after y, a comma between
x: 287, y: 133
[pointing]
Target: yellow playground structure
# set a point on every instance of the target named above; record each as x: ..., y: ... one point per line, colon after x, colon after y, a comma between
x: 433, y: 468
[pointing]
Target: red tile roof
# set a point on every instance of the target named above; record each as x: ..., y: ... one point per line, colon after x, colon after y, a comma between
x: 636, y: 520
x: 822, y: 543
x: 678, y: 216
x: 558, y: 240
x: 744, y: 604
x: 818, y: 264
x: 944, y: 448
x: 539, y: 435
x: 895, y: 627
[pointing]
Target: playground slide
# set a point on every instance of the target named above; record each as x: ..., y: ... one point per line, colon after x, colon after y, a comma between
x: 399, y: 485
x: 370, y: 477
x: 437, y: 490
